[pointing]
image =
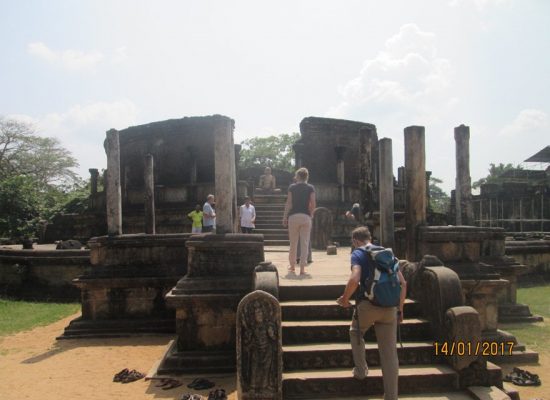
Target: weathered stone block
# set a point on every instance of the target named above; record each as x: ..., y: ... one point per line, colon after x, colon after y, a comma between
x: 332, y: 250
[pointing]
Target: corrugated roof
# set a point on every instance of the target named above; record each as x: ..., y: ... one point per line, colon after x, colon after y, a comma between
x: 541, y: 156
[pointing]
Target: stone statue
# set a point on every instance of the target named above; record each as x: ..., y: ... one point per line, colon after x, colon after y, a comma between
x: 268, y: 183
x: 259, y: 355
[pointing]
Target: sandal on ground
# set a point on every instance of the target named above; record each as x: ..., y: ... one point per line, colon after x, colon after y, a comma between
x: 119, y: 376
x: 172, y: 383
x: 201, y: 384
x: 132, y: 376
x: 189, y: 396
x: 218, y: 394
x: 521, y: 377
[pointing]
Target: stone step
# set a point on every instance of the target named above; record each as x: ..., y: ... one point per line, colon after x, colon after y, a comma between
x: 276, y: 243
x: 314, y: 292
x: 83, y: 329
x: 269, y: 199
x: 337, y: 331
x: 328, y: 309
x: 266, y: 215
x: 340, y: 382
x: 270, y: 225
x: 517, y: 357
x: 271, y: 231
x: 338, y: 355
x: 462, y: 395
x: 269, y: 207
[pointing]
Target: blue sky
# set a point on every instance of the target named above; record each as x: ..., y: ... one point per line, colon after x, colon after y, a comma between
x: 78, y: 68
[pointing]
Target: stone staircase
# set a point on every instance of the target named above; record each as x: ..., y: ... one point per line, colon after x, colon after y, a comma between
x: 317, y: 354
x: 269, y: 218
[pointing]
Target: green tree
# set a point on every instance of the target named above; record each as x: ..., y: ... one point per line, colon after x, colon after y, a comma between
x: 36, y: 179
x: 439, y: 200
x: 495, y: 174
x: 23, y: 152
x: 273, y: 151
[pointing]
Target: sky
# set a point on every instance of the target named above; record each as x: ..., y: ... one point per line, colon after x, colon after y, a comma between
x: 75, y: 69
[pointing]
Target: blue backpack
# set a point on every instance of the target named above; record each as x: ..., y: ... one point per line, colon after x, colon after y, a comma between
x: 380, y: 285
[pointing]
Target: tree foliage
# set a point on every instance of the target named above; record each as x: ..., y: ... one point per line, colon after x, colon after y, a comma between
x: 22, y: 152
x: 496, y: 173
x: 272, y: 151
x: 36, y: 179
x: 439, y: 200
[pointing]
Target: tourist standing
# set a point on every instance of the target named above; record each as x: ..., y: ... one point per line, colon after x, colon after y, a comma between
x: 209, y: 215
x: 299, y: 208
x: 196, y: 217
x: 366, y: 314
x: 247, y: 215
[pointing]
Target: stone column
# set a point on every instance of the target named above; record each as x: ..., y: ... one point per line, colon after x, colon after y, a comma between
x: 238, y: 148
x: 149, y: 179
x: 386, y: 193
x: 113, y: 195
x: 365, y: 176
x: 340, y: 171
x: 428, y: 197
x: 224, y: 171
x: 94, y: 175
x: 415, y: 176
x: 464, y: 210
x: 401, y: 176
x: 298, y: 149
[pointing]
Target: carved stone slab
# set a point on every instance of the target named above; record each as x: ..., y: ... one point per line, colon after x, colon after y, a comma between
x: 259, y: 348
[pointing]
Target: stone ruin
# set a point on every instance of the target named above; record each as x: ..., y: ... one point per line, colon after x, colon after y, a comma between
x: 199, y: 285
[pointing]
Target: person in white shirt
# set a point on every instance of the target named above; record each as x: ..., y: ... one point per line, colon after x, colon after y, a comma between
x: 247, y: 214
x: 209, y: 215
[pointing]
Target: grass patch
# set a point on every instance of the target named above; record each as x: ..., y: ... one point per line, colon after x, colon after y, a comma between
x: 535, y: 336
x: 17, y: 316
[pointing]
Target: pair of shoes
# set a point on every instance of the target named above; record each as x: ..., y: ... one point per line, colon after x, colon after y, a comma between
x: 218, y: 394
x: 126, y: 376
x: 201, y: 384
x: 521, y: 377
x: 189, y: 396
x: 169, y: 383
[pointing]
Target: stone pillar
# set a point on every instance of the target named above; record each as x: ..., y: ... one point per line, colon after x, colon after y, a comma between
x: 113, y: 195
x: 415, y: 176
x: 94, y: 175
x: 340, y: 171
x: 365, y: 176
x: 298, y: 149
x: 464, y: 210
x: 149, y: 179
x: 238, y: 148
x: 225, y: 181
x: 428, y: 176
x: 386, y: 193
x: 401, y: 176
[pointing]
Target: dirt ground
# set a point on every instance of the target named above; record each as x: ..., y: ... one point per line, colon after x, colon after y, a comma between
x: 34, y: 365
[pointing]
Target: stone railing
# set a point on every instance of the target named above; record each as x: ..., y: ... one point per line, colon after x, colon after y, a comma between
x: 439, y: 291
x: 266, y: 278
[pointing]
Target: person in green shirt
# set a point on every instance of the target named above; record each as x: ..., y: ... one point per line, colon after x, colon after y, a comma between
x: 196, y: 217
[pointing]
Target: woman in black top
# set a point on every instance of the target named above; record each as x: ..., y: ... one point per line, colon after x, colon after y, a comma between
x: 299, y: 208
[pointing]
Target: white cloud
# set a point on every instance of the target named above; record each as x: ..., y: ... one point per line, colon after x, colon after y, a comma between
x: 81, y: 128
x: 479, y: 4
x: 72, y: 60
x: 527, y: 122
x: 407, y: 78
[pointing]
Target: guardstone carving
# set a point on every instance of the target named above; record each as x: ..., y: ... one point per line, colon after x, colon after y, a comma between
x: 259, y: 347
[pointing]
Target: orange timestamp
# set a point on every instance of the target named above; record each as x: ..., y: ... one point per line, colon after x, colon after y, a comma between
x: 460, y: 348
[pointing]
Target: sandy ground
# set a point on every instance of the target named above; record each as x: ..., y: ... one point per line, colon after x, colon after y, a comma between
x: 34, y: 365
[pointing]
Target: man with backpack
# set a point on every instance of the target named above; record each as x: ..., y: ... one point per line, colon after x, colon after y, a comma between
x: 380, y: 291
